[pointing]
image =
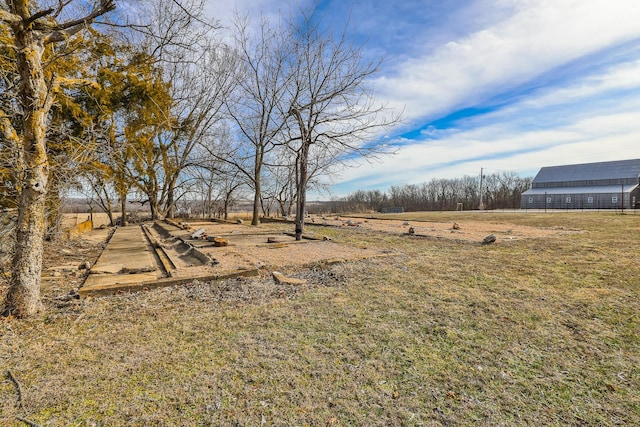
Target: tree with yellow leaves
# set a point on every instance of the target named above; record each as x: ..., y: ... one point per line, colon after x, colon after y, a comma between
x: 31, y: 34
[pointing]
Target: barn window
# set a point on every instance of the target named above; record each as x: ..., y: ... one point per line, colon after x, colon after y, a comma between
x: 589, y: 199
x: 568, y: 199
x: 614, y: 199
x: 530, y: 200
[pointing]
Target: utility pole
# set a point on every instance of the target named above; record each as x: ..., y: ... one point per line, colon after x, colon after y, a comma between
x: 480, y: 205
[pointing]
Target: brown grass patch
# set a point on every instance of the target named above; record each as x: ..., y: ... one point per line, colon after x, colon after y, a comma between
x: 539, y: 331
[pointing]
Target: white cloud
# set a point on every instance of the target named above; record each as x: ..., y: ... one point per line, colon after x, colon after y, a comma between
x: 540, y: 36
x: 620, y: 77
x: 505, y: 146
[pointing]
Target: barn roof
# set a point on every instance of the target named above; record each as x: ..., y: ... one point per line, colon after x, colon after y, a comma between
x: 589, y: 171
x: 593, y: 189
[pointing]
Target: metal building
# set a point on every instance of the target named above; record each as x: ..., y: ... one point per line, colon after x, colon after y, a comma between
x: 602, y: 185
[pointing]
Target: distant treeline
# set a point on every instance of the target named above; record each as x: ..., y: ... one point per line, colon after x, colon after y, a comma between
x: 499, y: 191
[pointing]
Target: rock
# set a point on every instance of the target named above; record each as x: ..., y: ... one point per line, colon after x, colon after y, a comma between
x: 412, y: 230
x: 326, y: 238
x: 456, y: 226
x: 239, y: 221
x: 281, y: 279
x: 406, y: 223
x: 220, y: 241
x: 489, y: 239
x: 84, y: 266
x: 272, y: 239
x: 198, y: 233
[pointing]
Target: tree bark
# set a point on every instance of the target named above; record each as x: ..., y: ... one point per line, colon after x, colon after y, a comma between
x: 23, y: 297
x: 123, y: 205
x: 170, y: 206
x: 153, y: 208
x: 255, y: 219
x: 257, y: 179
x: 301, y: 196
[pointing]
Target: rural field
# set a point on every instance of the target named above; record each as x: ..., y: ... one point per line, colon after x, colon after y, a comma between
x: 541, y: 327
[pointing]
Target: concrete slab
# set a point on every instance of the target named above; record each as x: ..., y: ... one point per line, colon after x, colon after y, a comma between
x: 104, y: 279
x: 128, y: 264
x: 127, y: 260
x: 128, y: 251
x: 110, y: 288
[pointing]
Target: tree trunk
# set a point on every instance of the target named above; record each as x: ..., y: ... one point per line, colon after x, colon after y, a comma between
x: 301, y: 194
x: 257, y: 175
x: 255, y: 219
x: 106, y: 206
x: 170, y: 201
x: 110, y: 215
x: 123, y: 206
x: 23, y: 297
x: 154, y: 208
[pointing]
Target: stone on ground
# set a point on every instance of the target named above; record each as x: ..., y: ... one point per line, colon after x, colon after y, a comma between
x: 281, y: 279
x: 489, y: 239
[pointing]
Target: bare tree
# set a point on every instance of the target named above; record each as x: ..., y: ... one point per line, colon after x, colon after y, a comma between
x: 216, y: 184
x: 280, y: 188
x: 101, y: 190
x: 201, y: 89
x: 331, y: 109
x: 33, y: 31
x: 255, y: 106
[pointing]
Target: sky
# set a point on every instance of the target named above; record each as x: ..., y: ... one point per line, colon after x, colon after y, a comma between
x: 503, y: 85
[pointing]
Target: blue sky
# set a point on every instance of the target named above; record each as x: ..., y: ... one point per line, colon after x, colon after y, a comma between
x: 504, y: 85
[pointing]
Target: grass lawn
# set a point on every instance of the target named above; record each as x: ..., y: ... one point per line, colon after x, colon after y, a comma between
x: 524, y: 332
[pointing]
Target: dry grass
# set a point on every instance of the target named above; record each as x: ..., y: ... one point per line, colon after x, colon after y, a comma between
x: 528, y: 332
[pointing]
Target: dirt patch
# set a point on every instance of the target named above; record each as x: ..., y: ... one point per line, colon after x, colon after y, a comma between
x: 266, y: 247
x: 467, y: 230
x: 286, y: 254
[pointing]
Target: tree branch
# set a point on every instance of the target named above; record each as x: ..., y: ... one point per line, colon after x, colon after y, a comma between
x: 67, y: 29
x: 9, y: 17
x: 18, y: 388
x: 61, y: 6
x: 27, y: 422
x: 7, y: 130
x: 38, y: 15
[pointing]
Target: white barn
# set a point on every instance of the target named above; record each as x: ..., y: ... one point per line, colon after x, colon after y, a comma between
x: 602, y: 185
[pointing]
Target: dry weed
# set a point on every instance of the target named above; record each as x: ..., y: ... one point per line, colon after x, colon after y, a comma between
x: 528, y: 332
